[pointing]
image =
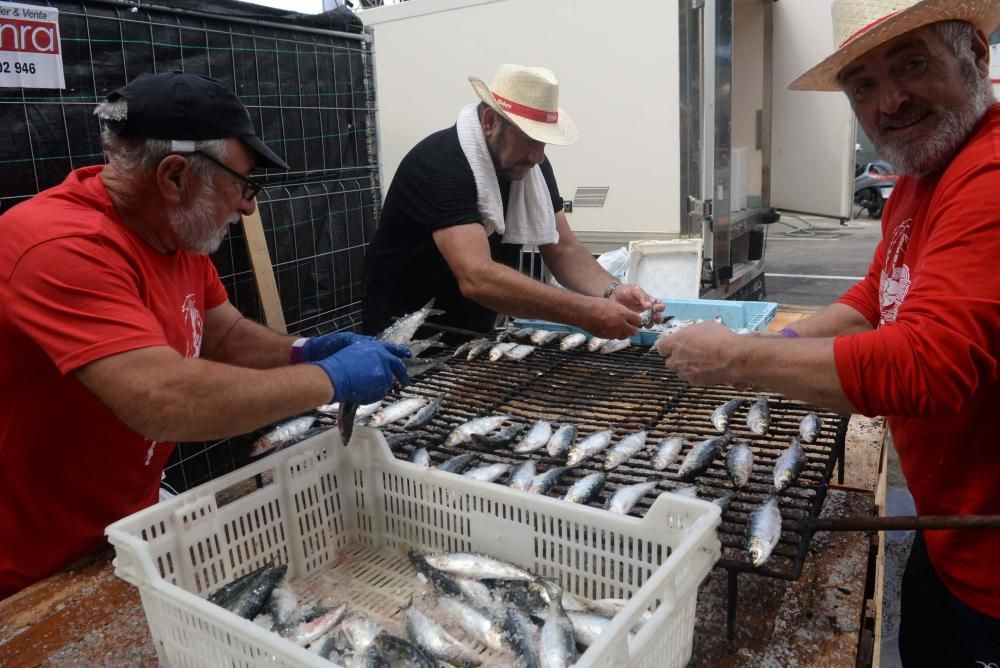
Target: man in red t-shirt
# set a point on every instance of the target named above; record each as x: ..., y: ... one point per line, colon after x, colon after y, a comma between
x: 117, y: 335
x: 917, y: 340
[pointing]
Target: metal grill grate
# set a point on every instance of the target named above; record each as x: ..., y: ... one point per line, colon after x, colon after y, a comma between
x: 628, y: 391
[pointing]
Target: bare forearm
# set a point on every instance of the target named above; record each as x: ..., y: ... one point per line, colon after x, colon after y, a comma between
x: 802, y: 369
x: 575, y: 268
x: 251, y: 345
x: 833, y: 320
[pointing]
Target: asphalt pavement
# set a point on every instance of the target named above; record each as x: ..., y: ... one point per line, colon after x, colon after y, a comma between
x: 811, y: 261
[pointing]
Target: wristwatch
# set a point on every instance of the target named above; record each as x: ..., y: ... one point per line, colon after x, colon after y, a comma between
x: 610, y: 289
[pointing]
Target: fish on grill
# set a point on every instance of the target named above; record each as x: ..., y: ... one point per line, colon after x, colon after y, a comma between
x: 585, y: 489
x: 543, y: 336
x: 763, y: 531
x: 690, y: 491
x: 281, y: 434
x: 478, y: 348
x: 401, y: 332
x: 724, y: 501
x: 595, y: 343
x: 614, y: 345
x: 536, y: 438
x: 397, y: 411
x: 518, y: 352
x: 469, y: 345
x: 810, y: 427
x: 365, y: 411
x: 458, y: 463
x: 724, y: 413
x: 499, y: 349
x: 572, y: 340
x: 789, y: 465
x: 701, y: 456
x: 398, y: 440
x: 588, y: 447
x: 482, y: 426
x: 625, y: 449
x: 424, y: 415
x: 666, y: 452
x: 501, y: 438
x: 625, y: 498
x: 543, y: 482
x: 739, y: 464
x: 417, y: 347
x: 487, y: 473
x: 759, y: 416
x: 561, y: 441
x: 522, y: 475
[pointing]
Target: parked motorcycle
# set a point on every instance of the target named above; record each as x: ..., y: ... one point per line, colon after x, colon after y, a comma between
x: 873, y: 183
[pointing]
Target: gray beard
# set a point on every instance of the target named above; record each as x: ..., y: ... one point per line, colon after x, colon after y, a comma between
x: 194, y: 226
x: 936, y: 151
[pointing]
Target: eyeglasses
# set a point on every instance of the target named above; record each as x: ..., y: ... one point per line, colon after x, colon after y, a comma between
x: 250, y: 185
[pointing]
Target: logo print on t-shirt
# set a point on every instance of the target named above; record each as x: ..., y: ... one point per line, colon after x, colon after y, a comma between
x: 192, y: 317
x: 895, y: 280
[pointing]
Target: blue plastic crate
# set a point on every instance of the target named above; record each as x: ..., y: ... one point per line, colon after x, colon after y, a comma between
x: 735, y: 315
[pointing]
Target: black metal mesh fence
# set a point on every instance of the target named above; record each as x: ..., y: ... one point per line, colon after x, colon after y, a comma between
x: 311, y: 95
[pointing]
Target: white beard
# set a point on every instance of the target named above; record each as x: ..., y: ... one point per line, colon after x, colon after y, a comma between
x: 195, y: 228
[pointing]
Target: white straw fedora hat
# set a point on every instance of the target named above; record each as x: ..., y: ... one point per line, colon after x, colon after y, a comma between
x: 528, y: 97
x: 861, y: 25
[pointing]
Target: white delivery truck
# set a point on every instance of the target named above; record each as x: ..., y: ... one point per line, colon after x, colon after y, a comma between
x: 686, y: 128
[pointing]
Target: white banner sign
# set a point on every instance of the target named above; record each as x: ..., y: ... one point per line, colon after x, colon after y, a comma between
x: 30, y: 56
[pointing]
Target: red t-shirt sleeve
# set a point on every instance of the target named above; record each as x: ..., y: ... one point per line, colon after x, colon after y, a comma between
x: 215, y: 292
x: 944, y: 343
x: 80, y: 303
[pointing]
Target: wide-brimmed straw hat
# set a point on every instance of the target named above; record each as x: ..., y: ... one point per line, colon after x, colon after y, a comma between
x: 528, y: 97
x: 861, y: 25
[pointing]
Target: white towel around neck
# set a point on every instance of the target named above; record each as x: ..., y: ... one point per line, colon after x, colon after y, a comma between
x: 530, y: 219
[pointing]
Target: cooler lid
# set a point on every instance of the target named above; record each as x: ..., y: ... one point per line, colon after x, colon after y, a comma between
x: 666, y: 268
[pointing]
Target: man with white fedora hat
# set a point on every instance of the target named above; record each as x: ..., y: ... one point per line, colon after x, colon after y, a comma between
x: 918, y: 339
x: 466, y: 199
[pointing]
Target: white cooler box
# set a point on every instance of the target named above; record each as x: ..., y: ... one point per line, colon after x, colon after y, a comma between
x: 349, y: 515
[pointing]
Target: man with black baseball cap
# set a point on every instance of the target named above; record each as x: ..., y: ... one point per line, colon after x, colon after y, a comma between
x: 118, y: 335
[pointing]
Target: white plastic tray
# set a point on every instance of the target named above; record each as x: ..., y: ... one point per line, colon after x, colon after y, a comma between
x: 666, y: 268
x: 327, y: 506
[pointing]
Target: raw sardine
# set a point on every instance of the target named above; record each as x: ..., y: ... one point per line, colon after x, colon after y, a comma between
x: 810, y: 427
x: 701, y: 456
x: 666, y: 452
x: 724, y: 413
x: 573, y: 340
x: 789, y: 465
x: 501, y: 438
x: 587, y: 626
x: 586, y: 489
x: 280, y: 434
x: 365, y: 411
x: 763, y: 531
x: 424, y: 415
x: 518, y: 352
x: 739, y: 464
x: 398, y: 440
x: 536, y: 438
x: 614, y: 345
x: 522, y: 475
x: 397, y: 411
x: 589, y: 447
x: 441, y: 645
x: 520, y: 632
x: 483, y: 425
x: 477, y: 566
x: 498, y: 350
x: 467, y: 346
x: 543, y: 482
x: 759, y: 416
x: 625, y: 449
x: 543, y: 336
x: 421, y: 457
x: 478, y: 348
x: 625, y: 498
x: 595, y: 343
x: 487, y: 473
x: 417, y: 347
x: 458, y: 463
x: 476, y: 622
x: 561, y: 440
x: 396, y: 651
x: 557, y: 646
x: 401, y: 332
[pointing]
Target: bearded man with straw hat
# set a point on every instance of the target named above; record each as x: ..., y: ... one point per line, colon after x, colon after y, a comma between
x: 466, y: 199
x: 918, y: 339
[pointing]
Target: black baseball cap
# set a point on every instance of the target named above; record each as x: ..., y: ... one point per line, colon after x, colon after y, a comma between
x: 182, y: 106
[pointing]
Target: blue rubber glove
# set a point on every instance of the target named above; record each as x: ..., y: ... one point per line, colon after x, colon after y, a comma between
x: 363, y: 372
x: 319, y: 347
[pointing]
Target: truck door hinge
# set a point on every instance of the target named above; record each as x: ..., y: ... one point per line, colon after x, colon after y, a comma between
x: 701, y: 208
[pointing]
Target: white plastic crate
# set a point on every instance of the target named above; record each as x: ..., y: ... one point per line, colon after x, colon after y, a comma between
x: 348, y: 516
